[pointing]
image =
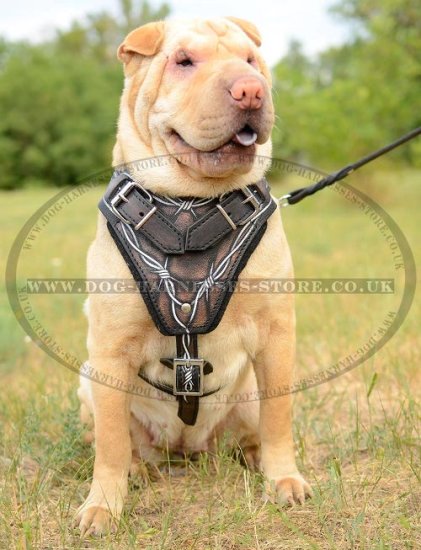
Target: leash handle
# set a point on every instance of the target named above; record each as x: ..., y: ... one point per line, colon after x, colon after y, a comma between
x: 298, y: 195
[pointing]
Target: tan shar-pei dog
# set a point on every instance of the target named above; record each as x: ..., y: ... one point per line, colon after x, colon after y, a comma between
x: 190, y: 87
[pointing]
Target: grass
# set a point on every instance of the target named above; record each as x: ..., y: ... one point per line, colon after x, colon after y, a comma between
x: 357, y: 436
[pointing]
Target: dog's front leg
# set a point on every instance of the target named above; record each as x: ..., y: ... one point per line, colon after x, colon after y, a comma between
x: 112, y: 447
x: 274, y: 371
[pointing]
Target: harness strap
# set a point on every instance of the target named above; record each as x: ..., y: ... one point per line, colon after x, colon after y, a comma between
x: 131, y: 203
x: 166, y: 388
x: 233, y: 210
x: 188, y: 405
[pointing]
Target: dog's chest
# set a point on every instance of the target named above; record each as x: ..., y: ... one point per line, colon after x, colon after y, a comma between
x: 229, y: 349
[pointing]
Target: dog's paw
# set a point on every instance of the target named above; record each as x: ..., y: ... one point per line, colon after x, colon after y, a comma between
x: 287, y: 491
x: 94, y: 521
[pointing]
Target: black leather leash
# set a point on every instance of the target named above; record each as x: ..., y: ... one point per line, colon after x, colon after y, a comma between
x: 298, y: 195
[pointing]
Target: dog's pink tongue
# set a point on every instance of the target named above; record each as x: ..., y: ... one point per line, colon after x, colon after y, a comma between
x: 245, y: 137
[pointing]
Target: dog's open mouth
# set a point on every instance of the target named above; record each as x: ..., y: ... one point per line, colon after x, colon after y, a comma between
x: 218, y: 158
x: 246, y: 136
x: 243, y: 140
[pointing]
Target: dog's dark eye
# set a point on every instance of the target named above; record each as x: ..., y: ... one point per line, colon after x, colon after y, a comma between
x: 250, y: 60
x: 185, y: 62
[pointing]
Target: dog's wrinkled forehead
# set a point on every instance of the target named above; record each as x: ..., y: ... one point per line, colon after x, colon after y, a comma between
x: 209, y: 36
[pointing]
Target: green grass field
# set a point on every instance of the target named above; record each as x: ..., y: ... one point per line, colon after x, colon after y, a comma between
x: 357, y: 436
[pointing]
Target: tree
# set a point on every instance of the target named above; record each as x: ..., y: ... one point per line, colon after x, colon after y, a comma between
x: 353, y: 98
x: 101, y: 33
x: 60, y: 100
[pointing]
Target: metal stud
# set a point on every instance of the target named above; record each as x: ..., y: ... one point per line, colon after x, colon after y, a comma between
x: 185, y: 308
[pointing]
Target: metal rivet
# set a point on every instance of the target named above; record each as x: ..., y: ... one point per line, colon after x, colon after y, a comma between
x: 185, y: 308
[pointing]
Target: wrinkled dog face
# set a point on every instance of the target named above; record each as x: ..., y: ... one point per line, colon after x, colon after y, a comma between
x: 213, y: 106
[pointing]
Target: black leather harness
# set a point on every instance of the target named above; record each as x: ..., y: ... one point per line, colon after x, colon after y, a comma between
x: 186, y: 255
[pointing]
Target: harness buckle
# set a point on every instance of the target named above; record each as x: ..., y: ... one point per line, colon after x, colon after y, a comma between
x: 121, y: 196
x: 188, y: 377
x: 253, y: 200
x: 226, y: 215
x: 250, y: 198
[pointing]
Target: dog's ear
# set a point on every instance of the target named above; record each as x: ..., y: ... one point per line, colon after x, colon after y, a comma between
x: 249, y: 28
x: 144, y: 40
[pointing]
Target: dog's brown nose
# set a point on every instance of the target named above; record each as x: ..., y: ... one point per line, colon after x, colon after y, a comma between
x: 247, y: 92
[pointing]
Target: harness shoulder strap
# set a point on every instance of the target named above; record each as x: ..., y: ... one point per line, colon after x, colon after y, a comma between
x: 129, y: 202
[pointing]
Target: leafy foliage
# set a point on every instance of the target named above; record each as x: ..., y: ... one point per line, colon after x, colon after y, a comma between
x: 60, y: 99
x: 58, y: 119
x: 355, y: 97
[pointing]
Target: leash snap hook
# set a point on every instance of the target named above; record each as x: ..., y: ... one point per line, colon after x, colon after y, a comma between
x: 283, y: 201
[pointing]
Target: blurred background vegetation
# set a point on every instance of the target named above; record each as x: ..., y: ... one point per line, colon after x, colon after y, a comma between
x: 59, y: 99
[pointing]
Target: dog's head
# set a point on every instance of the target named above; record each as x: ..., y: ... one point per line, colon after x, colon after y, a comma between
x: 199, y: 91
